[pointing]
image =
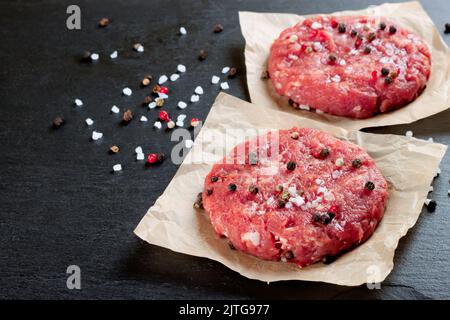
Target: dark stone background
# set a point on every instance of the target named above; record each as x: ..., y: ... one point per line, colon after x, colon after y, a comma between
x: 59, y: 203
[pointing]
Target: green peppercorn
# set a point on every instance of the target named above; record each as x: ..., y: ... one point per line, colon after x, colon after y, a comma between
x: 341, y: 27
x: 291, y: 165
x: 232, y: 187
x: 369, y: 185
x: 384, y: 71
x: 285, y: 195
x: 356, y: 163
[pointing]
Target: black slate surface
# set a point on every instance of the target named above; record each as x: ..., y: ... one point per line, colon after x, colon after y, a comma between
x: 59, y: 203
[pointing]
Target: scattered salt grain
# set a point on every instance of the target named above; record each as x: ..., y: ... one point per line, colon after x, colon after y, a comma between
x: 225, y: 70
x: 195, y: 98
x: 114, y: 109
x: 161, y: 96
x: 114, y: 55
x: 215, y: 80
x: 140, y: 156
x: 143, y: 119
x: 94, y: 56
x: 182, y: 104
x: 409, y: 133
x: 78, y: 102
x: 127, y: 91
x: 430, y: 139
x: 89, y: 121
x: 180, y: 123
x: 183, y: 31
x: 162, y: 79
x: 117, y: 167
x: 157, y: 125
x: 303, y: 107
x: 152, y: 105
x: 174, y: 77
x: 181, y: 68
x: 138, y: 47
x: 224, y: 86
x: 198, y: 90
x: 138, y: 150
x: 181, y: 117
x: 96, y: 135
x: 189, y: 143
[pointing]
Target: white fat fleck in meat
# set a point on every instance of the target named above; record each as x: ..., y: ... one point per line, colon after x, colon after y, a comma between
x: 319, y: 181
x: 353, y: 52
x: 385, y: 59
x: 322, y: 190
x: 356, y: 109
x: 278, y: 85
x: 358, y: 25
x: 253, y: 237
x: 292, y: 191
x: 317, y: 46
x: 293, y: 57
x: 316, y: 25
x: 336, y: 78
x: 298, y: 201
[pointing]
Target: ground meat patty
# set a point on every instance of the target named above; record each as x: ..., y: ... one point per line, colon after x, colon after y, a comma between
x: 296, y: 195
x: 334, y: 64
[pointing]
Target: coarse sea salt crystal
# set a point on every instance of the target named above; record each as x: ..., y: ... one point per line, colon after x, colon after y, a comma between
x: 138, y: 150
x: 117, y: 167
x: 127, y: 91
x: 298, y: 201
x: 225, y: 69
x: 140, y: 48
x: 183, y: 31
x: 114, y: 109
x: 95, y: 56
x: 162, y: 79
x: 143, y: 119
x: 317, y: 46
x: 96, y: 135
x: 215, y: 80
x: 162, y: 95
x: 152, y: 105
x: 189, y: 143
x: 114, y: 55
x: 409, y: 133
x: 174, y: 77
x: 181, y: 68
x: 179, y: 123
x: 316, y: 25
x: 157, y: 125
x: 182, y: 104
x: 140, y: 156
x: 198, y: 90
x: 292, y: 191
x: 195, y: 98
x: 253, y: 237
x: 78, y: 102
x: 181, y: 117
x: 89, y: 121
x: 224, y: 86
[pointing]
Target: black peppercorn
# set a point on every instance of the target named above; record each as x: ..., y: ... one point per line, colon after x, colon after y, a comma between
x: 292, y: 103
x: 353, y: 33
x: 392, y: 29
x: 289, y: 255
x: 382, y: 25
x: 388, y: 80
x: 214, y: 178
x: 281, y: 203
x: 431, y: 206
x: 198, y: 204
x: 384, y: 71
x: 367, y: 50
x: 291, y: 165
x: 323, y: 218
x: 332, y: 58
x: 232, y: 187
x: 341, y: 27
x: 356, y: 163
x: 253, y: 189
x: 324, y: 152
x: 209, y: 191
x: 369, y: 185
x: 57, y: 122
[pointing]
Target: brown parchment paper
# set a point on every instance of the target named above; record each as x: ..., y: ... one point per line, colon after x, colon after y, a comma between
x: 408, y: 164
x: 261, y: 29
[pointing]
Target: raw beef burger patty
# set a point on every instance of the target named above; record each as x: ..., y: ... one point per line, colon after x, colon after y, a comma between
x: 349, y: 66
x: 312, y: 197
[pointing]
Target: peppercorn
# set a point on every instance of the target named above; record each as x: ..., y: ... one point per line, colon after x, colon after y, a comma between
x: 279, y: 187
x: 57, y: 122
x: 160, y: 157
x: 323, y: 218
x: 127, y: 116
x: 384, y: 71
x: 382, y: 25
x: 369, y: 185
x: 281, y: 203
x: 291, y: 165
x: 294, y: 135
x: 159, y: 102
x: 86, y: 56
x: 202, y: 55
x: 324, y: 152
x: 309, y: 50
x: 334, y: 23
x: 198, y: 204
x: 253, y: 189
x: 285, y: 195
x: 371, y: 36
x: 265, y: 75
x: 388, y: 80
x: 156, y: 89
x: 209, y: 191
x: 214, y: 178
x: 146, y: 81
x: 353, y: 33
x: 218, y: 28
x: 341, y: 27
x: 232, y: 187
x: 232, y: 73
x: 356, y: 163
x: 367, y: 50
x: 447, y: 28
x: 392, y: 29
x: 289, y: 255
x: 332, y: 58
x: 394, y: 74
x: 114, y: 149
x: 147, y: 100
x: 431, y: 206
x: 104, y: 22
